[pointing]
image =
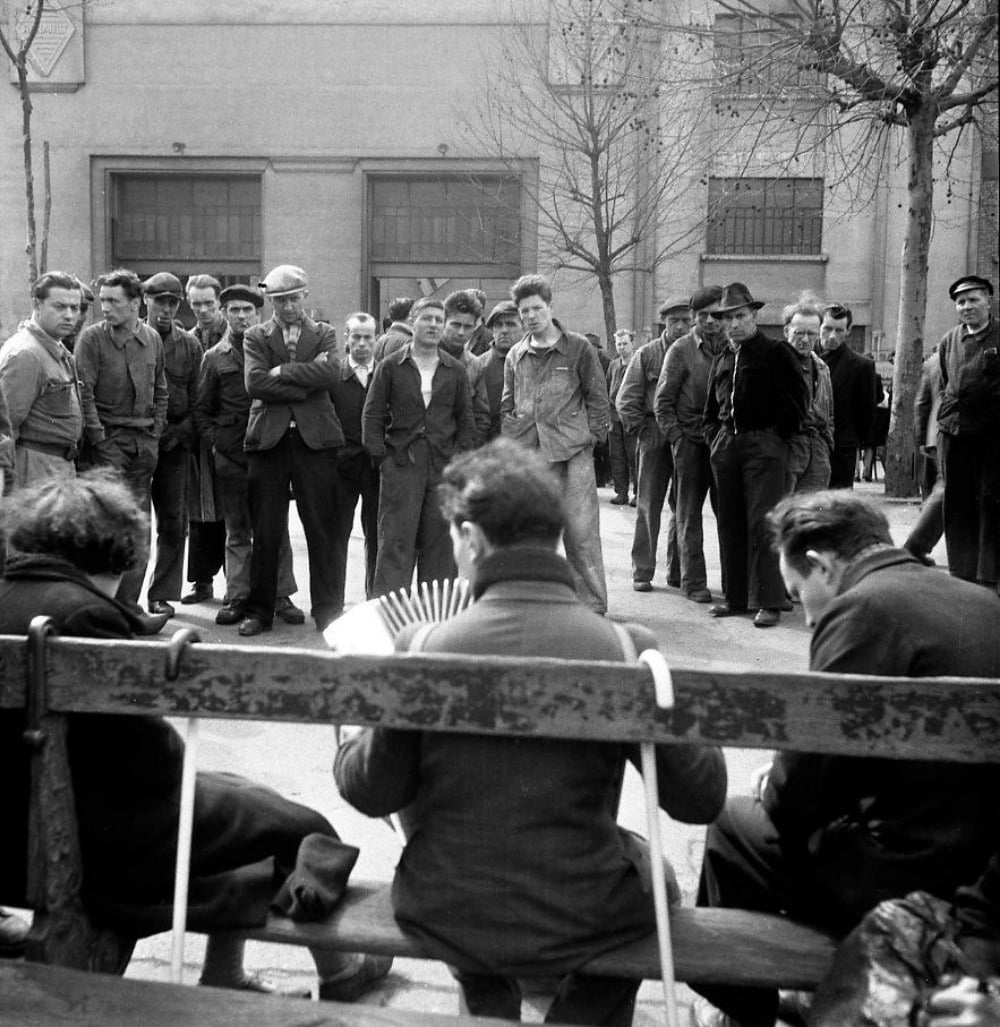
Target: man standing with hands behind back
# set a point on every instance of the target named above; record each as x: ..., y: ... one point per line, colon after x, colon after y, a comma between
x: 293, y: 436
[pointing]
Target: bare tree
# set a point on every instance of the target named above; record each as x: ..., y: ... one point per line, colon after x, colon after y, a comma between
x: 870, y: 81
x: 593, y: 101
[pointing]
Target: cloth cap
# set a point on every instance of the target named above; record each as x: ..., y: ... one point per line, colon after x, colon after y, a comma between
x: 737, y: 295
x: 968, y: 282
x: 503, y: 309
x: 706, y: 296
x: 672, y: 303
x: 242, y: 292
x: 163, y: 284
x: 284, y: 280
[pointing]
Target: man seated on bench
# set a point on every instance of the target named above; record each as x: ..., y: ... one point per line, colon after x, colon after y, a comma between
x: 70, y: 540
x: 828, y: 837
x: 515, y: 866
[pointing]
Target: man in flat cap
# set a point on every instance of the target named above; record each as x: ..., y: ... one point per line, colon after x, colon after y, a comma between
x: 679, y: 407
x: 38, y: 378
x: 182, y: 362
x: 292, y: 439
x: 969, y: 440
x: 485, y: 371
x: 221, y: 411
x: 756, y: 402
x: 123, y: 390
x: 654, y: 463
x: 207, y: 529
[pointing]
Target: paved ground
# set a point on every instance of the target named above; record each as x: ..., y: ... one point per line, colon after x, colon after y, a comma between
x: 296, y: 759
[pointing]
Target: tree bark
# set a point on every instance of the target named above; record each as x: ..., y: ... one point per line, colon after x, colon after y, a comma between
x: 901, y: 471
x: 31, y: 243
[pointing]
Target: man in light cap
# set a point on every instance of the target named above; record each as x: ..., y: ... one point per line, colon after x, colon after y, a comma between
x: 486, y: 370
x: 38, y: 379
x: 654, y: 464
x: 221, y: 410
x: 969, y: 440
x: 182, y: 362
x: 292, y: 440
x: 679, y: 406
x: 756, y: 402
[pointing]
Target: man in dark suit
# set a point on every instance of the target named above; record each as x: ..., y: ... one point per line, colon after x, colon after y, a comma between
x: 292, y: 438
x: 359, y: 477
x: 826, y: 838
x: 854, y: 394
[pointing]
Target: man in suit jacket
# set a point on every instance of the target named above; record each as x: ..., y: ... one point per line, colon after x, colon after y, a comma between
x: 293, y: 437
x: 359, y: 477
x: 854, y: 394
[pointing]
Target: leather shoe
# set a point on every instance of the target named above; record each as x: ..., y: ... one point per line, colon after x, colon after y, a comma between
x: 257, y: 983
x: 158, y: 606
x: 252, y: 626
x: 231, y: 613
x: 725, y: 610
x: 151, y: 624
x: 620, y: 501
x: 642, y: 586
x: 766, y: 618
x: 13, y: 934
x: 359, y: 974
x: 287, y: 611
x: 201, y: 593
x: 700, y: 595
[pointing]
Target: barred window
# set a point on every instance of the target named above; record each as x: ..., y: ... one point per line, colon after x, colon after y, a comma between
x: 765, y: 215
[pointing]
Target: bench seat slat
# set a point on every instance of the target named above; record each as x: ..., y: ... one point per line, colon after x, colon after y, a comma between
x: 762, y: 949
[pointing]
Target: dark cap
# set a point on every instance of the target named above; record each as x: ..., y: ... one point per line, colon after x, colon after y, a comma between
x: 706, y: 296
x: 737, y: 295
x: 284, y: 280
x: 672, y: 303
x: 163, y: 284
x: 968, y: 282
x: 505, y: 308
x: 242, y: 292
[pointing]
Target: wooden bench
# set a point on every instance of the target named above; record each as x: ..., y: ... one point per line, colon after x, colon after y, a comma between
x: 941, y: 719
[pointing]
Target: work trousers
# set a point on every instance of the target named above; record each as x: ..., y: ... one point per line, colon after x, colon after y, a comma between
x: 970, y: 465
x: 582, y: 535
x: 927, y: 532
x: 359, y: 479
x: 692, y: 482
x: 750, y: 473
x: 234, y: 496
x: 169, y: 495
x: 809, y: 463
x: 412, y: 532
x: 134, y: 453
x: 206, y: 550
x: 31, y: 466
x: 622, y: 449
x: 313, y: 475
x: 655, y: 473
x: 843, y: 467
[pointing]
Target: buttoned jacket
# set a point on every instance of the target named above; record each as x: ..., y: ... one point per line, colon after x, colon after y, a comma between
x: 970, y: 381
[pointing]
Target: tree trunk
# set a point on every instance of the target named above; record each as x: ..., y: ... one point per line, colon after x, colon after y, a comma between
x: 901, y: 471
x: 608, y: 302
x: 29, y: 177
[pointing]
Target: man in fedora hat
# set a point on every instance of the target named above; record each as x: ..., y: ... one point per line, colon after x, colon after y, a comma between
x: 756, y: 402
x: 221, y: 410
x: 292, y: 439
x: 654, y: 461
x: 969, y: 440
x: 182, y: 363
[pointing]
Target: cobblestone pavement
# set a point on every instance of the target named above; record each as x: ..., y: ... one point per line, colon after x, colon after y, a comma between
x: 296, y: 759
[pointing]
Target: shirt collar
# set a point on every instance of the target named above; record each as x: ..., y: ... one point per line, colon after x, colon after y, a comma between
x: 53, y: 346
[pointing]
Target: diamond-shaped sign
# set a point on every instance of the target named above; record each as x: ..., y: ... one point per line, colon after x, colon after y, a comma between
x: 54, y: 33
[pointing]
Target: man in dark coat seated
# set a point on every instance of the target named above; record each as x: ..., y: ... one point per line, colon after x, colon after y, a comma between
x: 514, y: 864
x: 69, y: 541
x: 829, y: 837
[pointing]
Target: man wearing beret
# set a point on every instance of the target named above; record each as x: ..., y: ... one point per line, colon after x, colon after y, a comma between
x: 181, y: 361
x: 292, y: 439
x: 756, y: 402
x: 969, y: 440
x: 221, y: 410
x: 654, y: 463
x: 38, y: 379
x: 123, y: 391
x: 485, y: 371
x: 679, y: 406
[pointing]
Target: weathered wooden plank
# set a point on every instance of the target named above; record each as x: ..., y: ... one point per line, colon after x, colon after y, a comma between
x: 923, y: 718
x: 761, y: 949
x: 36, y: 995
